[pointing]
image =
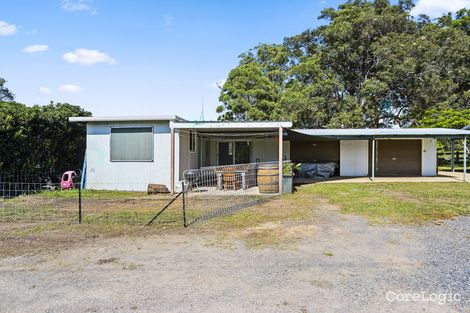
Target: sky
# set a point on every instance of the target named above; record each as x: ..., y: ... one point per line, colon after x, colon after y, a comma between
x: 145, y: 57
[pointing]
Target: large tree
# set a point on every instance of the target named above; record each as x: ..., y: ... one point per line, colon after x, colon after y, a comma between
x: 370, y: 65
x: 5, y: 93
x: 39, y: 139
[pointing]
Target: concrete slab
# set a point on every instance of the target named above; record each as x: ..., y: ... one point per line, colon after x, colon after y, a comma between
x: 442, y: 177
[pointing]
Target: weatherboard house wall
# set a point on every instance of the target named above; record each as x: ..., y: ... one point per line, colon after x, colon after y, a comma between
x: 355, y: 155
x: 104, y: 174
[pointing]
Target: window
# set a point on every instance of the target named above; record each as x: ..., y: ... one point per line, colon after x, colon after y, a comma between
x: 192, y: 141
x: 233, y: 152
x: 132, y: 144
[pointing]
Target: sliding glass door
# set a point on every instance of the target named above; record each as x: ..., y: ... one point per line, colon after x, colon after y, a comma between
x: 234, y: 152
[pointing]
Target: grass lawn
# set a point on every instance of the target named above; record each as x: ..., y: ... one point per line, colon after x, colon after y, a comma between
x: 408, y: 203
x: 458, y: 168
x: 48, y: 221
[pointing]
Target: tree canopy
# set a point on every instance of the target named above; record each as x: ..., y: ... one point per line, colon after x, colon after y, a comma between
x: 446, y: 118
x: 370, y: 65
x: 5, y: 93
x: 39, y: 139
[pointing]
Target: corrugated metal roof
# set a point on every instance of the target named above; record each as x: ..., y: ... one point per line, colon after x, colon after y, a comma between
x: 89, y: 119
x: 385, y: 132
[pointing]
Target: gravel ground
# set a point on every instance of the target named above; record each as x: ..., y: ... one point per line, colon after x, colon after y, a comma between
x: 340, y: 264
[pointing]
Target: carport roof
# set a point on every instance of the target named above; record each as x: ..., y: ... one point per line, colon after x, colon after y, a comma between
x: 383, y: 133
x: 230, y: 126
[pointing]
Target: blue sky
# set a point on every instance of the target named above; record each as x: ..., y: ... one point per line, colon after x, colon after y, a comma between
x: 142, y: 57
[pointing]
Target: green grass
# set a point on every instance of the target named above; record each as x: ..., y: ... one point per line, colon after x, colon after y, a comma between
x: 458, y: 168
x: 406, y: 203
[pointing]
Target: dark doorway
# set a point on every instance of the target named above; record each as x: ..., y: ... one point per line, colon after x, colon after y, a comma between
x: 234, y: 152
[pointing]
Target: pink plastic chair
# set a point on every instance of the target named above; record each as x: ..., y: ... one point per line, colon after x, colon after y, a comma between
x: 66, y: 181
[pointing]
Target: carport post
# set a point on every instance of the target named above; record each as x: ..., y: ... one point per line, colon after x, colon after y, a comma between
x: 465, y: 159
x: 452, y: 163
x: 280, y: 159
x: 373, y: 160
x: 172, y: 160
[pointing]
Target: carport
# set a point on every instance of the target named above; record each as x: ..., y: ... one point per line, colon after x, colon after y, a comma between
x: 386, y: 152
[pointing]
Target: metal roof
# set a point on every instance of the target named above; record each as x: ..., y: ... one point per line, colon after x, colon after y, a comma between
x: 214, y: 125
x: 385, y: 133
x: 91, y: 119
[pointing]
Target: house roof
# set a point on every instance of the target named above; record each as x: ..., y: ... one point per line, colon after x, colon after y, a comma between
x: 241, y: 126
x: 91, y: 119
x: 384, y: 133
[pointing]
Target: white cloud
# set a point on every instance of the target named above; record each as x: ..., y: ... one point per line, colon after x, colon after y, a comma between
x: 79, y: 6
x: 87, y: 57
x: 35, y: 48
x: 169, y: 22
x: 7, y: 29
x: 70, y: 88
x: 45, y: 90
x: 435, y: 8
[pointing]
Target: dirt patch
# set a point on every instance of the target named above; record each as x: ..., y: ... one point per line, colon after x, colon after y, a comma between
x: 179, y: 272
x: 400, y: 195
x: 107, y: 261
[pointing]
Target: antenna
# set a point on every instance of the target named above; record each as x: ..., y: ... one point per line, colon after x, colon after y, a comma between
x: 201, y: 117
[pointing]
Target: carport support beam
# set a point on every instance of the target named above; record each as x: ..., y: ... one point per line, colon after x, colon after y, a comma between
x: 373, y: 160
x: 465, y: 159
x: 280, y: 159
x: 452, y: 161
x: 172, y: 160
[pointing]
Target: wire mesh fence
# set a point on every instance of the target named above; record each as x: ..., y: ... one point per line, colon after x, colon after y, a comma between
x: 38, y: 202
x: 129, y: 207
x: 220, y: 190
x: 207, y: 193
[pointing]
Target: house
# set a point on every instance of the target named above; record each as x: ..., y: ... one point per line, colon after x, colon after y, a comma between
x: 128, y: 153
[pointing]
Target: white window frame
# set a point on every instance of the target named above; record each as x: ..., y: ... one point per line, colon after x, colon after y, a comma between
x: 132, y: 126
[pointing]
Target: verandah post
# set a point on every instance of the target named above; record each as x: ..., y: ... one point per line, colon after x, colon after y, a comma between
x: 280, y: 159
x: 465, y: 159
x: 373, y: 160
x: 452, y: 162
x: 172, y: 160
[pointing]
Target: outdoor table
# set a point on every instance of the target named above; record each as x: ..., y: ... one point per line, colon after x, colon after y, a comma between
x: 220, y: 178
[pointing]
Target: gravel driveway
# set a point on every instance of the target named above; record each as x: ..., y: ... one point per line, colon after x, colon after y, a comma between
x: 340, y: 264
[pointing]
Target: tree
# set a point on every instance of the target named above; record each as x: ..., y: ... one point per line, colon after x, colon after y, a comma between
x: 446, y: 118
x: 371, y: 65
x: 40, y: 139
x: 5, y: 93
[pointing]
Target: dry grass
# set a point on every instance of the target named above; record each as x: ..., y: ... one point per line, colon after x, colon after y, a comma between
x: 279, y: 223
x: 45, y: 227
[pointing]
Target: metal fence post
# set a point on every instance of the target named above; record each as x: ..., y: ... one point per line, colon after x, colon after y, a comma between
x: 79, y: 204
x: 184, y: 206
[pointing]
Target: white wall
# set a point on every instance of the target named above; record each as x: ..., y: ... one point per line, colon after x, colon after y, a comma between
x: 354, y: 158
x: 428, y: 157
x: 104, y: 174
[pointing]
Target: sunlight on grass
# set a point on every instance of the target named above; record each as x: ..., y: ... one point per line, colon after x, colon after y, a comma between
x: 408, y: 203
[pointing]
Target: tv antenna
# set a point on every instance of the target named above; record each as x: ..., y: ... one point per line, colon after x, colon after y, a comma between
x: 201, y: 117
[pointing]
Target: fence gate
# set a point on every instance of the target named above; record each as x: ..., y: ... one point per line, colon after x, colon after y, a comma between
x: 220, y: 190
